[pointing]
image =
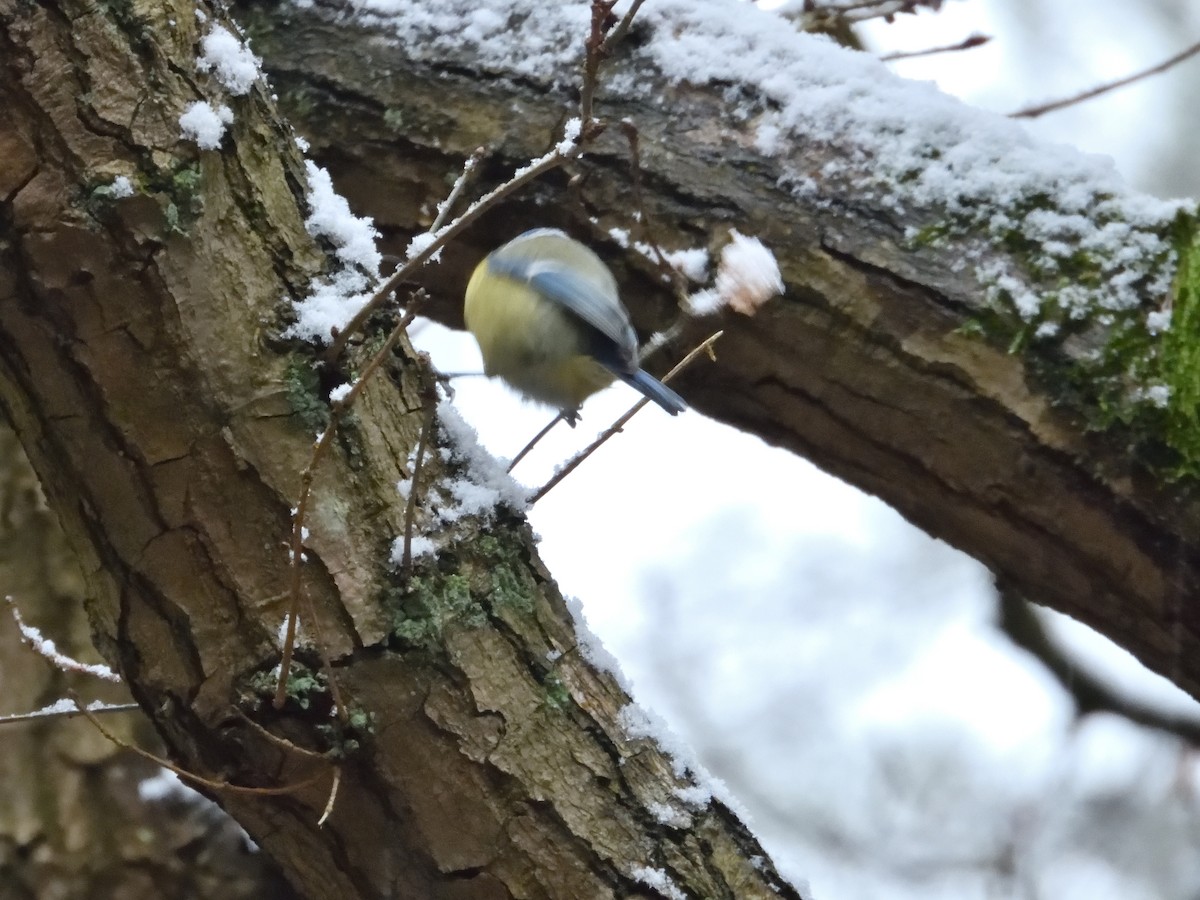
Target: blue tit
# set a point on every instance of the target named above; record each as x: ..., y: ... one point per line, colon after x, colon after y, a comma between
x: 546, y: 314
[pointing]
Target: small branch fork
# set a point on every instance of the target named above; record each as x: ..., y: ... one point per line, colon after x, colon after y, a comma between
x: 201, y: 781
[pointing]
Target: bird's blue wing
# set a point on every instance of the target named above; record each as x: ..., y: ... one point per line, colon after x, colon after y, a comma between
x: 582, y: 299
x: 614, y: 342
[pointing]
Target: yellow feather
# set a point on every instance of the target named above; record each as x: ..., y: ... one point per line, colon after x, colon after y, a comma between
x: 530, y: 343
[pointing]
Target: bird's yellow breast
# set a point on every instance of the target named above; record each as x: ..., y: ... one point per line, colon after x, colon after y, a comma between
x: 529, y: 342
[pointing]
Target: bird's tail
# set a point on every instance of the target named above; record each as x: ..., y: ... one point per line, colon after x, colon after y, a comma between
x: 655, y: 390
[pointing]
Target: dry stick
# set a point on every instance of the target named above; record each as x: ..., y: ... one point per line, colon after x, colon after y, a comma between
x: 456, y: 191
x: 337, y: 410
x: 616, y: 426
x: 618, y: 33
x: 537, y: 437
x: 598, y: 48
x: 289, y: 747
x: 184, y: 773
x: 282, y: 743
x: 975, y: 40
x: 64, y: 713
x: 333, y: 792
x: 593, y: 56
x: 32, y: 638
x: 1032, y: 112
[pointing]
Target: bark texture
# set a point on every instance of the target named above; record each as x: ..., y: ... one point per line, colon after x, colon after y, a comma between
x: 74, y: 823
x: 864, y: 366
x: 141, y: 367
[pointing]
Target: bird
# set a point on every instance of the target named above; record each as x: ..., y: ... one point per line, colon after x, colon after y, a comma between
x: 548, y: 318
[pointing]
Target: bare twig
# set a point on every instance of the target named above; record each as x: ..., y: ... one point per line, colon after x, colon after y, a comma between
x: 460, y: 185
x: 600, y: 45
x: 333, y: 792
x: 622, y: 28
x: 677, y: 279
x: 337, y: 410
x: 975, y: 40
x: 533, y: 443
x: 594, y: 54
x: 1023, y: 627
x: 282, y: 743
x: 1032, y: 112
x: 65, y: 709
x: 45, y: 648
x: 223, y: 786
x: 616, y: 426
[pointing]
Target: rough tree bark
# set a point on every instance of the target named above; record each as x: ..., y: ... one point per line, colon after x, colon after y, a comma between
x: 484, y: 756
x: 73, y: 823
x: 140, y: 367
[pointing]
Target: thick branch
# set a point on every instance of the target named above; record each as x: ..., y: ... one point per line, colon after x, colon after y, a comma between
x: 865, y: 366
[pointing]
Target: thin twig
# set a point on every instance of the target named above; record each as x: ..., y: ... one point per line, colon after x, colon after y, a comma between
x: 45, y: 648
x: 618, y: 34
x: 563, y: 152
x: 598, y: 48
x: 594, y: 54
x: 460, y: 185
x: 1032, y: 112
x: 1019, y: 621
x: 224, y: 786
x: 333, y: 792
x: 337, y: 409
x: 675, y: 276
x: 616, y: 426
x: 282, y: 743
x: 975, y: 40
x: 58, y: 711
x: 533, y: 443
x: 660, y: 339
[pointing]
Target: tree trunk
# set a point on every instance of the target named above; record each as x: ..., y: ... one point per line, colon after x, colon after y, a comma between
x: 485, y: 755
x: 74, y: 823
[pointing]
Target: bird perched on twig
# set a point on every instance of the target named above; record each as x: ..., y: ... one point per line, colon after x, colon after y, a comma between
x: 549, y: 321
